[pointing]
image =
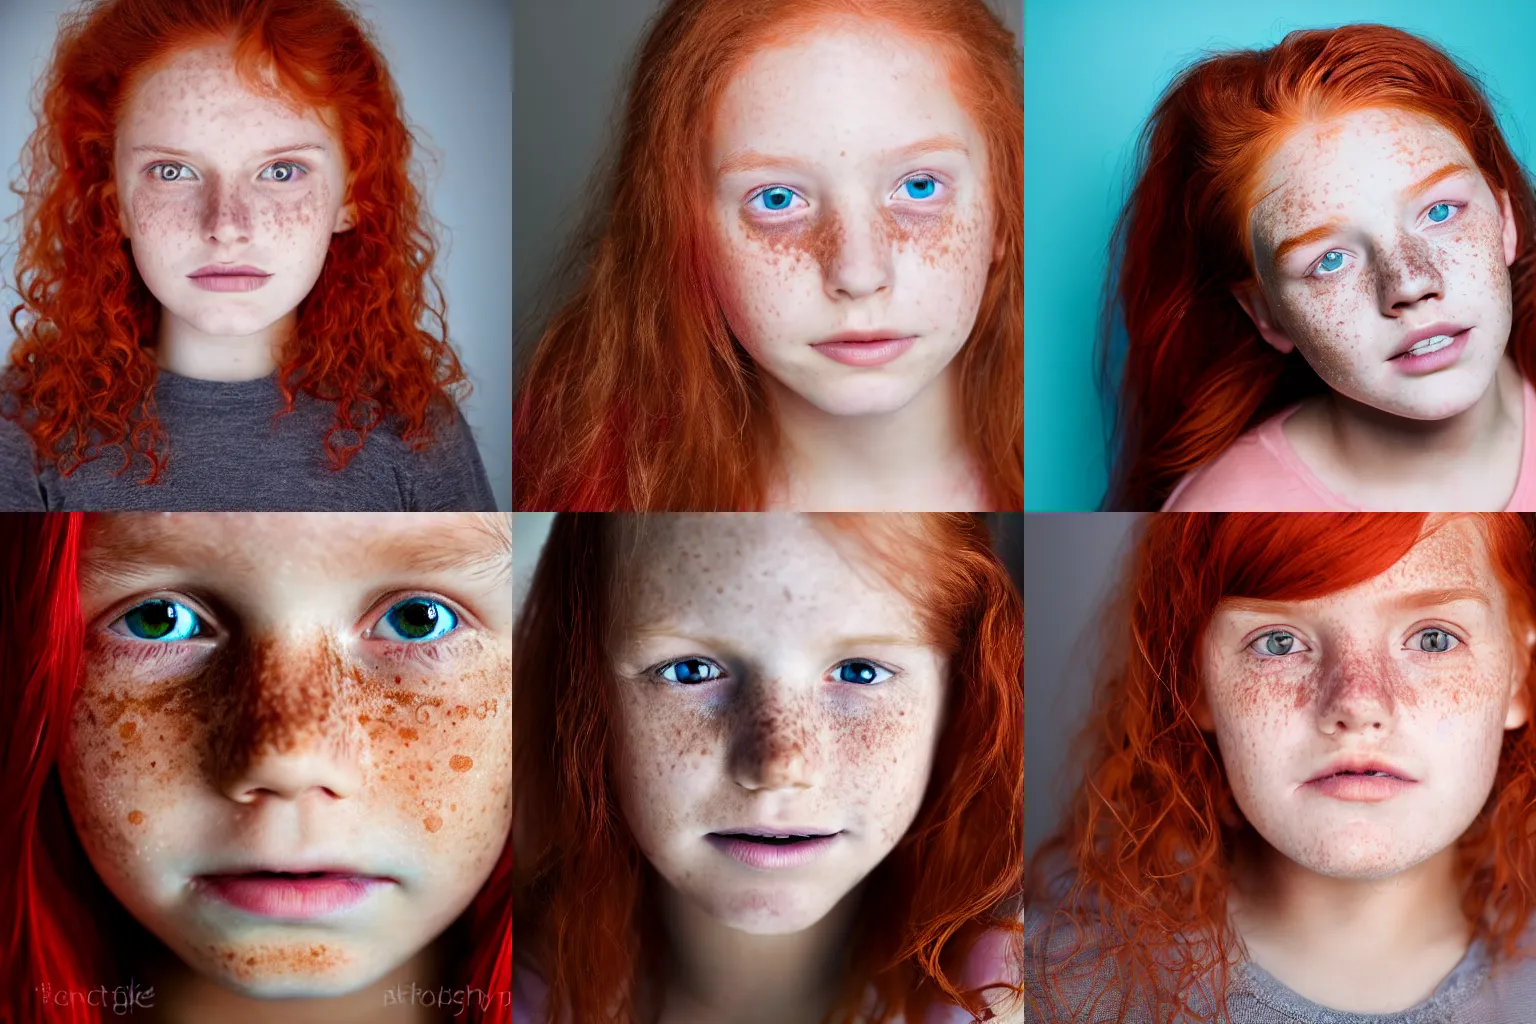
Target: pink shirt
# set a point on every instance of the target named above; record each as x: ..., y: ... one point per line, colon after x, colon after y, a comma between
x: 1261, y: 472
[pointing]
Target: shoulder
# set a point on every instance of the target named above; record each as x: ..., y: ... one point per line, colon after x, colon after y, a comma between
x: 19, y: 486
x: 443, y: 470
x: 1257, y: 472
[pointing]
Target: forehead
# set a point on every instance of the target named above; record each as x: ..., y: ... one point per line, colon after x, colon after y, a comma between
x: 753, y: 571
x: 779, y: 96
x: 317, y: 545
x: 1323, y: 166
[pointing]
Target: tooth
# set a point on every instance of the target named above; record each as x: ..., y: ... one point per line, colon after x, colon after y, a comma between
x: 1439, y: 341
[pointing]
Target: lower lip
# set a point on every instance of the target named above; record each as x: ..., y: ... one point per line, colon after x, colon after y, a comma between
x: 767, y: 856
x: 291, y: 898
x: 230, y: 282
x: 864, y: 353
x: 1415, y: 366
x: 1368, y: 789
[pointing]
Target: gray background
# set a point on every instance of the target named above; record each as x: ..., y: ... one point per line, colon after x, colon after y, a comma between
x: 452, y: 61
x: 572, y: 59
x: 1071, y: 561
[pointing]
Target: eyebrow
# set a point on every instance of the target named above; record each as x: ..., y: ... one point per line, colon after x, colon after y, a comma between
x: 480, y: 548
x: 169, y: 151
x: 751, y: 159
x: 1322, y: 231
x: 1428, y: 598
x: 650, y: 631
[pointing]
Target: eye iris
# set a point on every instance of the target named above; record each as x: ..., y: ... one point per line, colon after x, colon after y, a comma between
x: 920, y: 188
x: 856, y: 672
x: 691, y: 670
x: 1444, y: 211
x: 776, y: 198
x: 1279, y: 643
x: 415, y: 620
x: 1331, y: 261
x: 1435, y: 640
x: 152, y: 620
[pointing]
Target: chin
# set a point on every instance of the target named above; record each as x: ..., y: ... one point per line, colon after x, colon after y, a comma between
x: 770, y: 913
x: 864, y: 398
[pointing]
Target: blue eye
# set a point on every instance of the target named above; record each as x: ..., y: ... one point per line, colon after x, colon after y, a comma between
x: 1436, y: 641
x: 1331, y: 261
x: 864, y: 673
x: 417, y: 620
x: 776, y: 199
x: 920, y: 188
x: 162, y: 621
x: 1439, y: 212
x: 690, y: 670
x: 1275, y: 645
x: 293, y: 170
x: 157, y: 170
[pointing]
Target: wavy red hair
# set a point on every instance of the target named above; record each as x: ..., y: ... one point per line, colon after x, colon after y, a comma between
x: 580, y: 893
x: 1143, y: 855
x: 637, y: 396
x: 371, y: 335
x: 1196, y: 372
x: 63, y: 928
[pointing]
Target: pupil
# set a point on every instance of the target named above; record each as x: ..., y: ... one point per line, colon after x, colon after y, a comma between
x: 416, y: 619
x: 154, y: 619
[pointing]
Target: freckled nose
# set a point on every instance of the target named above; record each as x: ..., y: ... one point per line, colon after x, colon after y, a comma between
x: 1359, y: 692
x: 287, y: 727
x: 858, y: 257
x: 1409, y: 275
x: 777, y: 744
x: 227, y: 213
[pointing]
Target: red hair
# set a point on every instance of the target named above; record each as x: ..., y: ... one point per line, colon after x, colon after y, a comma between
x: 637, y: 396
x: 64, y: 930
x: 581, y: 898
x: 81, y: 368
x: 1145, y: 850
x: 1197, y: 374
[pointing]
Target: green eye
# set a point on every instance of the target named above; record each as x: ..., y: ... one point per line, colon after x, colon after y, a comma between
x: 418, y: 620
x: 161, y: 620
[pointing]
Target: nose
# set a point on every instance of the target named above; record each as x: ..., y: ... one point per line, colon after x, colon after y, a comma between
x: 778, y: 741
x: 287, y: 728
x: 1359, y: 692
x: 227, y: 212
x: 1409, y: 275
x: 858, y: 262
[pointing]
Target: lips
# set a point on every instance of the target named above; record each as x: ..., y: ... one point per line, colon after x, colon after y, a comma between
x: 776, y: 834
x: 291, y: 894
x: 1364, y: 768
x: 1426, y: 337
x: 220, y: 270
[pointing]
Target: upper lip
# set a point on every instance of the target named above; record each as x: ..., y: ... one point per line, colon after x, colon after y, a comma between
x: 222, y: 270
x: 880, y: 335
x: 297, y: 868
x: 778, y: 830
x: 1356, y: 763
x: 1412, y: 338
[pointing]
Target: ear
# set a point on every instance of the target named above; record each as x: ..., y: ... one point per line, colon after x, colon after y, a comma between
x: 346, y: 218
x: 1519, y: 711
x: 1251, y: 297
x: 1511, y: 231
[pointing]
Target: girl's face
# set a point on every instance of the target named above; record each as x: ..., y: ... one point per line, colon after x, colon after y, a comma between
x: 850, y: 197
x: 767, y: 684
x: 1376, y: 231
x: 1416, y: 670
x: 210, y: 174
x: 294, y: 693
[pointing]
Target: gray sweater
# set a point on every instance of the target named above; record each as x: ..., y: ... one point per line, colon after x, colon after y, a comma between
x: 227, y: 453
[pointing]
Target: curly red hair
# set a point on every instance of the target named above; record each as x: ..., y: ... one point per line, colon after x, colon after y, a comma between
x: 1196, y: 373
x: 371, y: 335
x: 65, y: 931
x: 1144, y: 854
x: 580, y: 895
x: 637, y: 397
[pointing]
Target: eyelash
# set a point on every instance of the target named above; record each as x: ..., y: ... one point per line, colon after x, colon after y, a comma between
x: 1315, y: 270
x: 939, y: 188
x: 301, y: 168
x: 656, y: 671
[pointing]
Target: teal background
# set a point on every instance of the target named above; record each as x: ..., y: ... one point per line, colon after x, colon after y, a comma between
x: 1093, y: 70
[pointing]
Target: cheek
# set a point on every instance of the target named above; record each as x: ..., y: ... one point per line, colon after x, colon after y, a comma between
x: 885, y: 762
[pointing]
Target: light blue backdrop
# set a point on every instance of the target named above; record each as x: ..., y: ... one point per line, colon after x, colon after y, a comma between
x: 1093, y: 70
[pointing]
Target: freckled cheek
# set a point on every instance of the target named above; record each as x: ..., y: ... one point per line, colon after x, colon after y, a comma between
x: 883, y: 766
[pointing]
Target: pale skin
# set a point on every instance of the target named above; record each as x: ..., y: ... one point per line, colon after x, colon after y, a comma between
x: 769, y: 611
x: 1353, y: 905
x: 1400, y: 231
x: 208, y: 172
x: 851, y: 194
x: 297, y: 726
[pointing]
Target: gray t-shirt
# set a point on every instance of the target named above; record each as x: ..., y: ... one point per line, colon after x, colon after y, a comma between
x: 1471, y: 994
x: 227, y: 453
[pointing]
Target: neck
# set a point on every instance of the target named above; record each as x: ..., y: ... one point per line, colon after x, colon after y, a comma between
x: 720, y: 973
x: 188, y: 352
x: 885, y: 460
x: 1382, y: 449
x: 185, y: 996
x: 1383, y: 944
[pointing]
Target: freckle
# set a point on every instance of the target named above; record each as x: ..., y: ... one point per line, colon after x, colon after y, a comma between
x: 364, y: 719
x: 460, y: 763
x: 432, y: 822
x: 151, y: 764
x: 135, y: 817
x: 408, y: 734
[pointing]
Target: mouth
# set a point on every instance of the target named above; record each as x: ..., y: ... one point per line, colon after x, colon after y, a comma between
x: 768, y: 850
x: 774, y: 838
x: 1429, y: 339
x: 864, y: 350
x: 295, y: 895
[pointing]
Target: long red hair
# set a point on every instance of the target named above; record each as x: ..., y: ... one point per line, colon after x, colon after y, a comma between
x: 371, y: 335
x: 580, y: 893
x: 1143, y: 856
x: 1196, y: 372
x: 636, y: 396
x: 64, y: 930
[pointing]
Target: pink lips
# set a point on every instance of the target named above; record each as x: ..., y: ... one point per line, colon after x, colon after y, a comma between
x: 1440, y: 359
x: 291, y: 896
x: 215, y: 278
x: 765, y: 856
x: 864, y: 353
x: 1359, y: 788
